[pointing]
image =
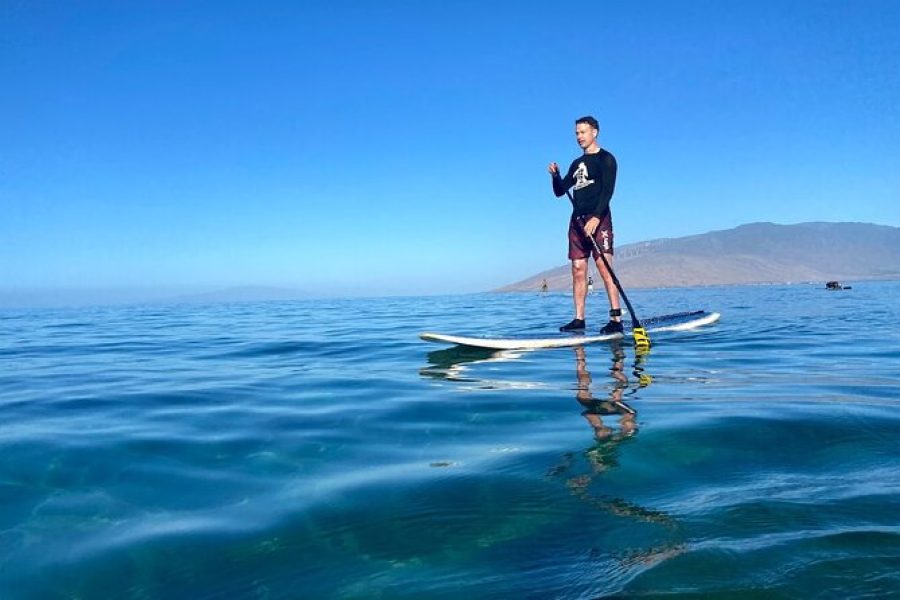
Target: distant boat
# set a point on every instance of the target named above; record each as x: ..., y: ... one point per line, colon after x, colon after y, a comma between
x: 836, y: 285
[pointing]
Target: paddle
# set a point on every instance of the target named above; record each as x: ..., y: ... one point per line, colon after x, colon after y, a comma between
x: 641, y: 339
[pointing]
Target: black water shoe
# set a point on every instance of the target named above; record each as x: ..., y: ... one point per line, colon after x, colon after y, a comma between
x: 573, y: 325
x: 612, y: 327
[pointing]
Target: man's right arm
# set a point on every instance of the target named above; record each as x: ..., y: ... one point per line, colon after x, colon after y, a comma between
x: 561, y: 184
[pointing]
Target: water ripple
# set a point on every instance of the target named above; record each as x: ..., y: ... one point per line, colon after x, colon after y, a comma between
x: 319, y: 449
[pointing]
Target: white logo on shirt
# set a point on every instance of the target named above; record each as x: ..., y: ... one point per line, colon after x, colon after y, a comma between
x: 581, y: 176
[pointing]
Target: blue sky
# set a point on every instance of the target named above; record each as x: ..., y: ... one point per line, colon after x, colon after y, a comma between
x: 401, y: 147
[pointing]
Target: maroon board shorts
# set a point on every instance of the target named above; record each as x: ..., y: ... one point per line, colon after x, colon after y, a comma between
x: 580, y: 245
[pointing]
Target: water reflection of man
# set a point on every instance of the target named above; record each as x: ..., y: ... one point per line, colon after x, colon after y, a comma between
x: 613, y: 405
x: 603, y: 455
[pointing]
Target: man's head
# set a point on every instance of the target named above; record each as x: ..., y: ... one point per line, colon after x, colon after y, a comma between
x: 586, y: 131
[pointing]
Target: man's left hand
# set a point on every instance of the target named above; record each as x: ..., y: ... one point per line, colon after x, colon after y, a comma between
x: 591, y: 226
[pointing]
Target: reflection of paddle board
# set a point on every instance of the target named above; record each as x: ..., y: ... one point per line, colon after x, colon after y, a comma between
x: 676, y: 322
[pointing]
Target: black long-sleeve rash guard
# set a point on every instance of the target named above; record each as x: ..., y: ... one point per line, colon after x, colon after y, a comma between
x: 594, y: 178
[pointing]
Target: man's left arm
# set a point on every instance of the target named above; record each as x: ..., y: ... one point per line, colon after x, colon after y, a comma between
x: 609, y: 185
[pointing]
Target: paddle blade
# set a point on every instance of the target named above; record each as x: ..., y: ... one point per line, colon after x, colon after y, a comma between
x: 641, y: 339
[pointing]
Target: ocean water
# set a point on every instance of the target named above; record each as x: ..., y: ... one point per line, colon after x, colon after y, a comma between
x: 319, y: 449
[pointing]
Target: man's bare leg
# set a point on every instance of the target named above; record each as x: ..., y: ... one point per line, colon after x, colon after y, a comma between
x: 579, y: 285
x: 611, y: 290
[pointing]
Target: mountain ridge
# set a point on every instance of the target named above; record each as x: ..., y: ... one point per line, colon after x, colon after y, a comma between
x: 752, y: 253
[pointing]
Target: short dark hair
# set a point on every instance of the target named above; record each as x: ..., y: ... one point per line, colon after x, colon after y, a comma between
x: 589, y: 120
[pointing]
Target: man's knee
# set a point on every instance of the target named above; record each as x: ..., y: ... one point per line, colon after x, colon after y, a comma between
x: 601, y: 266
x: 579, y: 266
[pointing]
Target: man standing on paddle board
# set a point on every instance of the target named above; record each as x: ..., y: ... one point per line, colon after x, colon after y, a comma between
x: 593, y: 176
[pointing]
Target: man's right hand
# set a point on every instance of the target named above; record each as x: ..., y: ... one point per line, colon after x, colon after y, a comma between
x: 553, y: 169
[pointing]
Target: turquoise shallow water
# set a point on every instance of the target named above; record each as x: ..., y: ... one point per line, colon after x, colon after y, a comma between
x: 318, y: 449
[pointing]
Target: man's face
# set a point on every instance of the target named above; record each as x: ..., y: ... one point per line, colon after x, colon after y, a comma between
x: 585, y: 135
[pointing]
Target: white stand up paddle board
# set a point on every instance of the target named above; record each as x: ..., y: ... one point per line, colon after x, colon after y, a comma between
x: 676, y: 322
